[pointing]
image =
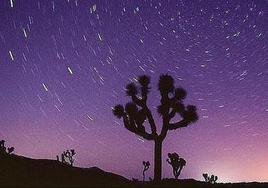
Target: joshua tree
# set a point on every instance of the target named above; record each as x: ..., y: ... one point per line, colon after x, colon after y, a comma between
x: 177, y: 163
x: 136, y: 112
x: 210, y: 179
x: 69, y: 156
x: 146, y: 166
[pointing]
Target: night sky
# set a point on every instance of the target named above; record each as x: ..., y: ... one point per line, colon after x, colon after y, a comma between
x: 65, y: 63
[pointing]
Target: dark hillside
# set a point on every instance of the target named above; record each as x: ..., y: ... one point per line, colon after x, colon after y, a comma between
x: 21, y: 171
x: 18, y: 171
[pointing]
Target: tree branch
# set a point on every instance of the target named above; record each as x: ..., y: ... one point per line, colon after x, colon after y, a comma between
x: 145, y: 135
x: 151, y: 120
x: 166, y: 116
x: 137, y: 101
x: 164, y: 130
x: 148, y: 113
x: 144, y: 93
x: 180, y: 124
x: 129, y: 123
x: 142, y: 103
x: 172, y: 114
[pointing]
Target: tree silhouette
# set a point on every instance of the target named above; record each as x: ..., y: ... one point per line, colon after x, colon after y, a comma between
x: 136, y: 112
x: 146, y: 166
x: 67, y: 157
x: 177, y: 163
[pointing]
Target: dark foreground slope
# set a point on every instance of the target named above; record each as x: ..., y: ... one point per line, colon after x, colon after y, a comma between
x: 18, y: 171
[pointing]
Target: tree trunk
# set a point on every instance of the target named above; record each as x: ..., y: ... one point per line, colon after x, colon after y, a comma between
x: 158, y: 160
x: 143, y: 173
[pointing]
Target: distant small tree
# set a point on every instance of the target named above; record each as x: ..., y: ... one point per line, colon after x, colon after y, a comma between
x: 210, y: 179
x: 67, y: 157
x: 146, y: 166
x: 177, y: 163
x: 136, y: 112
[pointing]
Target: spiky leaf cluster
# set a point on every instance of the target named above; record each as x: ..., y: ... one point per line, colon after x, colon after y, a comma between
x: 172, y: 101
x: 190, y: 114
x: 118, y: 111
x: 165, y: 84
x: 143, y: 89
x: 131, y: 89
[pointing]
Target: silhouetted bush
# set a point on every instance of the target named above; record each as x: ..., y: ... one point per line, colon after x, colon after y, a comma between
x: 4, y: 150
x: 177, y: 163
x: 137, y: 111
x: 10, y: 150
x: 146, y: 166
x: 210, y: 179
x: 67, y: 157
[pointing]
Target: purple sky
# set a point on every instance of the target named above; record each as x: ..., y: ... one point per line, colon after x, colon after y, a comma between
x: 65, y: 63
